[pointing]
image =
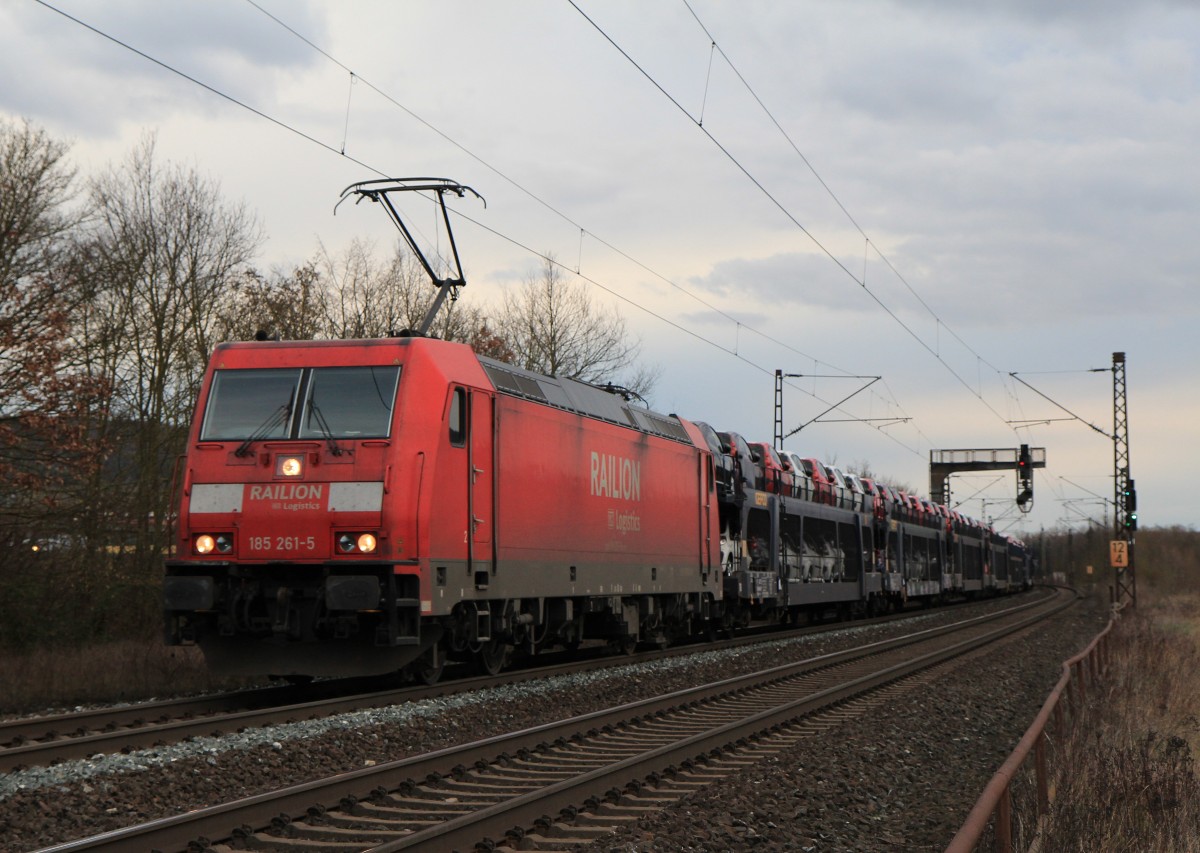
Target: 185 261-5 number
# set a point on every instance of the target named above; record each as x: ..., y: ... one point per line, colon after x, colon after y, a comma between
x: 283, y: 543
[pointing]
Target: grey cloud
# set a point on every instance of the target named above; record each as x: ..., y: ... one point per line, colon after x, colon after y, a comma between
x: 231, y: 47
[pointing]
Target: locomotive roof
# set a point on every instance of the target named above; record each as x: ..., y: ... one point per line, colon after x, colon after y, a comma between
x: 556, y: 391
x: 582, y: 399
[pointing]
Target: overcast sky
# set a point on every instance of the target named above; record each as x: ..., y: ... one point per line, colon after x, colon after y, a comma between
x: 932, y: 194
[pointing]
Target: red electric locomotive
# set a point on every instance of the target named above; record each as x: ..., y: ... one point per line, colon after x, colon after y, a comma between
x: 355, y: 507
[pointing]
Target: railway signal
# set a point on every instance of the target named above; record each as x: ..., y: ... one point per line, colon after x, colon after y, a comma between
x: 1024, y: 479
x: 943, y: 463
x: 1130, y: 497
x: 1131, y: 506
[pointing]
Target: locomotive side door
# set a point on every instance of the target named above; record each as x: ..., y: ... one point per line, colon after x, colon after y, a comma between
x: 480, y: 486
x: 708, y: 521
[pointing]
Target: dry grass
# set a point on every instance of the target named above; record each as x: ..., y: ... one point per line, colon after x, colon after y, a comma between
x: 109, y: 672
x: 1131, y: 779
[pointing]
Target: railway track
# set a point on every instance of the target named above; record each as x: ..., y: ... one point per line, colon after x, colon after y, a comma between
x: 560, y: 784
x: 42, y: 741
x: 37, y: 741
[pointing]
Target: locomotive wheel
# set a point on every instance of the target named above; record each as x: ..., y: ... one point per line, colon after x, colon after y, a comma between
x: 623, y: 645
x: 427, y: 669
x: 728, y: 625
x: 294, y: 680
x: 492, y: 657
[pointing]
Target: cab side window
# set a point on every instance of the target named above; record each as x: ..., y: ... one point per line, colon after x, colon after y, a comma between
x: 458, y: 417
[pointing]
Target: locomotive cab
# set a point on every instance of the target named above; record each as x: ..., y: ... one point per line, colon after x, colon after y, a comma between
x: 296, y: 548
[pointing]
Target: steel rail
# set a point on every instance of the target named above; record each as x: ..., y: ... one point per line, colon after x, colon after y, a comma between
x: 217, y: 821
x: 496, y: 820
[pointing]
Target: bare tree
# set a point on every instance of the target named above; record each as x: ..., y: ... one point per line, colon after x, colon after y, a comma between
x: 40, y: 395
x: 553, y: 327
x: 368, y: 298
x: 36, y: 183
x: 487, y: 342
x: 45, y: 399
x: 351, y: 295
x: 288, y: 306
x: 161, y: 255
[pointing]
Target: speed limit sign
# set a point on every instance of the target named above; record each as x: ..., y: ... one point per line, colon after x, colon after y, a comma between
x: 1118, y: 552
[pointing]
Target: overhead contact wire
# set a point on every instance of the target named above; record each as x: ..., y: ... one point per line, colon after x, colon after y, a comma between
x: 849, y: 216
x: 309, y: 138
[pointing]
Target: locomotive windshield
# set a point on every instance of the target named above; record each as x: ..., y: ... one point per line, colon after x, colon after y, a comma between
x: 340, y: 402
x: 246, y: 403
x: 349, y: 402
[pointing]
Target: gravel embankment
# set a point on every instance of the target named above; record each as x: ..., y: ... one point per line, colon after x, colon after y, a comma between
x: 901, y: 781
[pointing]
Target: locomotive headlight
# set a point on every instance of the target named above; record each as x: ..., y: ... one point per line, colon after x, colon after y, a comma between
x: 289, y: 466
x: 360, y: 543
x: 207, y: 543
